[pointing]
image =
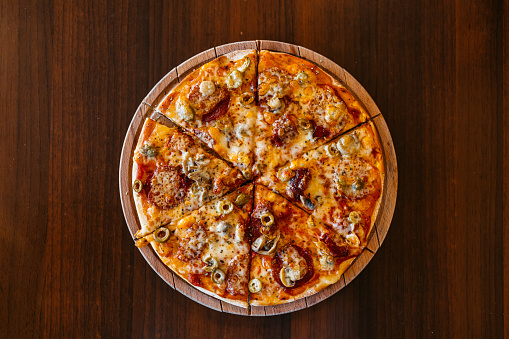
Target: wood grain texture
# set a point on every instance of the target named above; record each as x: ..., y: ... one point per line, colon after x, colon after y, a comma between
x: 73, y: 74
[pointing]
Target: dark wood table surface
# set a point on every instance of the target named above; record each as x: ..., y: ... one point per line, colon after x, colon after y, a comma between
x: 72, y: 74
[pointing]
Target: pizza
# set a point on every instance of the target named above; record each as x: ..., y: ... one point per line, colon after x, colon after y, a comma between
x: 216, y: 103
x: 300, y: 108
x: 174, y: 175
x: 339, y: 183
x: 209, y: 248
x: 293, y: 254
x: 263, y: 182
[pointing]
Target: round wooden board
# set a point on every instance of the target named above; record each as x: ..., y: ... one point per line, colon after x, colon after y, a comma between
x: 157, y: 94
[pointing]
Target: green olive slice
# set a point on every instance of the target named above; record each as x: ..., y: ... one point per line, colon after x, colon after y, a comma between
x: 137, y: 186
x: 162, y: 235
x: 246, y: 99
x: 211, y: 262
x: 326, y: 262
x: 331, y: 150
x: 241, y: 199
x: 358, y: 184
x: 267, y: 219
x: 348, y: 144
x: 218, y: 276
x: 149, y: 151
x: 302, y: 77
x: 224, y: 207
x: 354, y: 217
x: 305, y: 124
x: 285, y: 174
x: 255, y: 285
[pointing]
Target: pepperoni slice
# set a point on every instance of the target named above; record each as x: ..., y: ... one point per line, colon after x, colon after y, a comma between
x: 338, y: 251
x: 192, y: 244
x: 321, y: 132
x: 194, y: 279
x: 284, y: 129
x: 167, y: 186
x: 298, y: 183
x: 277, y: 265
x: 218, y: 111
x: 237, y: 276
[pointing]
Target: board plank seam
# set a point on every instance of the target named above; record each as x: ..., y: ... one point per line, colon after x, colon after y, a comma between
x: 149, y: 105
x: 377, y: 237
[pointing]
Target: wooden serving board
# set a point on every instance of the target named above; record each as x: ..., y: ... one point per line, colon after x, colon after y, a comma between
x: 157, y: 94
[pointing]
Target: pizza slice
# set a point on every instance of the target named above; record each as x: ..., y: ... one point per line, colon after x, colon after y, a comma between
x: 292, y: 255
x: 339, y: 183
x: 174, y: 175
x: 300, y: 108
x: 217, y: 104
x: 210, y: 247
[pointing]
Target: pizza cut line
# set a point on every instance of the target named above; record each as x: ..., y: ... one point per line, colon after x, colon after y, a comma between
x: 267, y: 187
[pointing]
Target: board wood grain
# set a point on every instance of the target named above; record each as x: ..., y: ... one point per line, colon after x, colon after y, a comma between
x: 236, y: 46
x: 279, y: 46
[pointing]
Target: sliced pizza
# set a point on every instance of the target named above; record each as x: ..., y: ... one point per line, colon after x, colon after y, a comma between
x: 300, y: 108
x: 210, y: 247
x: 217, y: 104
x: 293, y: 255
x: 174, y: 175
x: 339, y: 183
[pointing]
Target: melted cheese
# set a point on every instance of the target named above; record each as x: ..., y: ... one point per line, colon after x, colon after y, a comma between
x: 294, y: 264
x: 238, y: 275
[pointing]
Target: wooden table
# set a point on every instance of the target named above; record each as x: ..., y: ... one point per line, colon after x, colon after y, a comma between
x: 72, y: 75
